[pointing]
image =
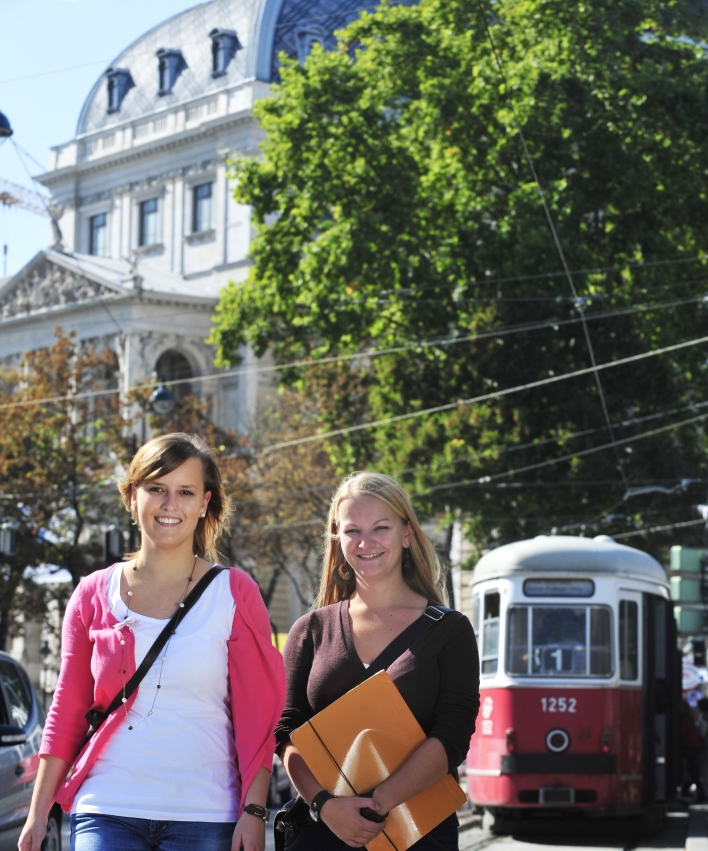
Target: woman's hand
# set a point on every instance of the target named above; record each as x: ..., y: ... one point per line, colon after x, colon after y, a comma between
x: 51, y: 774
x: 342, y: 817
x: 249, y: 834
x: 33, y: 834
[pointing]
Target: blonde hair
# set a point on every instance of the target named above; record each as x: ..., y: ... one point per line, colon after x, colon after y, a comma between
x: 427, y: 574
x: 162, y: 455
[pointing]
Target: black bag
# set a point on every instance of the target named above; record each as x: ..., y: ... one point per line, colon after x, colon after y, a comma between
x: 297, y: 810
x: 96, y: 717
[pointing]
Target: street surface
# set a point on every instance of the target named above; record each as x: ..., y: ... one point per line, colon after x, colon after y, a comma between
x: 675, y: 835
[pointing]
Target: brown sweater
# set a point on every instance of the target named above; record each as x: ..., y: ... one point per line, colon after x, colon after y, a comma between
x: 438, y: 676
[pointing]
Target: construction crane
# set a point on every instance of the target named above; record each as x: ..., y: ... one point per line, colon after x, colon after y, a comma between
x: 14, y: 195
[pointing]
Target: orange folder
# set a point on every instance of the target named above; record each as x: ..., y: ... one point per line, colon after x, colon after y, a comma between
x: 358, y: 741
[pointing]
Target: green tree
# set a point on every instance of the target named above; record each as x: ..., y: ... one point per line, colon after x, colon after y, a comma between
x: 395, y: 205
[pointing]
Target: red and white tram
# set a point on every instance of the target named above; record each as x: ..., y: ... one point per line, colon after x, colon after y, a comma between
x: 580, y: 681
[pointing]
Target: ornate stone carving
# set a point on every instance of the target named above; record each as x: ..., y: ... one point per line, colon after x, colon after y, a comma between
x: 48, y: 286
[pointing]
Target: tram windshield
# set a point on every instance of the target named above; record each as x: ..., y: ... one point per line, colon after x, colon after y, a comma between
x: 559, y: 641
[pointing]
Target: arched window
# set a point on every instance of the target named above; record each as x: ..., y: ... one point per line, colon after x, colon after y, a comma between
x: 173, y: 366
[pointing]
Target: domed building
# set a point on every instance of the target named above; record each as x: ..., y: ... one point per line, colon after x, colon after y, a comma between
x: 147, y: 231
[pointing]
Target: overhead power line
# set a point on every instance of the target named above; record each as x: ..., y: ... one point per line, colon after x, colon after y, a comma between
x: 653, y: 529
x: 554, y: 232
x: 367, y: 354
x: 495, y: 394
x: 483, y: 480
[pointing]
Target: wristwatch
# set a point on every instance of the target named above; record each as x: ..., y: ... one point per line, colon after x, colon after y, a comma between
x: 318, y: 802
x: 258, y: 812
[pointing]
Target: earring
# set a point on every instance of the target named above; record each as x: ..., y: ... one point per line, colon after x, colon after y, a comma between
x: 342, y: 574
x: 203, y: 514
x: 408, y: 565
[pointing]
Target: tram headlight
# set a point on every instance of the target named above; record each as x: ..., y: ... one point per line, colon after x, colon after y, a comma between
x: 557, y: 740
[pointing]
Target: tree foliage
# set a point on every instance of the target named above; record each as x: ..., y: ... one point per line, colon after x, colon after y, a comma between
x: 61, y: 439
x: 395, y: 206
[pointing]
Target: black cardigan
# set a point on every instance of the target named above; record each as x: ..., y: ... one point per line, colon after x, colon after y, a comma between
x: 438, y: 676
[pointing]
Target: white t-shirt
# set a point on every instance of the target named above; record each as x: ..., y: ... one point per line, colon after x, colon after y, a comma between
x: 179, y: 764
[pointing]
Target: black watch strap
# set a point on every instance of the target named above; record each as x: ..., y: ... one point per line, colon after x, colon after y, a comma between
x: 318, y: 802
x: 258, y: 812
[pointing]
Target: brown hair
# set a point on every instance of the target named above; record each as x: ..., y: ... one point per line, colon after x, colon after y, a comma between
x: 162, y: 455
x: 427, y: 575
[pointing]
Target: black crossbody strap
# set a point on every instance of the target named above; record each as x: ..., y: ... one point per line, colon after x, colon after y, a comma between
x: 95, y: 717
x: 402, y: 642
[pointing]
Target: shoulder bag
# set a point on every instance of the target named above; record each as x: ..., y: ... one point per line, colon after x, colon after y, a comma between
x: 96, y: 717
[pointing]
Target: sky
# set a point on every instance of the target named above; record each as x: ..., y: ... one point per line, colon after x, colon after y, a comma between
x: 51, y: 54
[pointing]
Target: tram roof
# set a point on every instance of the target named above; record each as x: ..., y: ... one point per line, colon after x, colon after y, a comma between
x: 566, y: 554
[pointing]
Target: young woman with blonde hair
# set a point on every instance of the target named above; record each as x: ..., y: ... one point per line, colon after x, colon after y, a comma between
x: 379, y: 575
x: 183, y: 762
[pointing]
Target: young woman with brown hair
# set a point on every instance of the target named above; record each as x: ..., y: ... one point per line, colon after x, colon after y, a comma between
x: 379, y: 574
x: 183, y: 763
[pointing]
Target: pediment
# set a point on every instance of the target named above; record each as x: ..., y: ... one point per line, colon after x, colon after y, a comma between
x: 44, y: 286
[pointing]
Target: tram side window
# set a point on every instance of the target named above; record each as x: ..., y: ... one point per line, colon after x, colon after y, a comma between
x: 517, y: 653
x: 475, y: 614
x: 600, y: 642
x: 490, y: 633
x: 629, y: 639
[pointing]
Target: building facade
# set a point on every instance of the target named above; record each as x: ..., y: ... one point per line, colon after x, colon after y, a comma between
x: 146, y: 230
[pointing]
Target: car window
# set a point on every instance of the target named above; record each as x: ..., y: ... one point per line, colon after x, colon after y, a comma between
x: 20, y: 702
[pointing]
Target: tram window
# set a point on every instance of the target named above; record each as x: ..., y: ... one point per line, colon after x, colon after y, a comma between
x: 558, y: 639
x: 475, y: 614
x: 628, y: 639
x: 600, y: 642
x: 517, y: 659
x: 490, y: 633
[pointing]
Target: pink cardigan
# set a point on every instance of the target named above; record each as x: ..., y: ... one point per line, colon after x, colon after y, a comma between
x: 91, y: 677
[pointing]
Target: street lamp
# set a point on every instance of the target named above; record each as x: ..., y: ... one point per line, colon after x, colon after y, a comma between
x: 5, y: 128
x: 161, y: 400
x: 8, y: 538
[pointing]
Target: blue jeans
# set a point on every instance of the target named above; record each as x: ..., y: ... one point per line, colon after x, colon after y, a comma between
x: 92, y: 832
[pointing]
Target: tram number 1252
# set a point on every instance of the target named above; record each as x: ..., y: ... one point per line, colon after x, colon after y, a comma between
x: 558, y: 704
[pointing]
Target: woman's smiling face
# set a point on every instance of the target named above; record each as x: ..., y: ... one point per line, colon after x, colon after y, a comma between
x: 169, y: 506
x: 372, y: 536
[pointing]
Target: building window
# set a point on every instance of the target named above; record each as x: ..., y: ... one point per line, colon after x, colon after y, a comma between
x: 224, y: 44
x: 148, y: 222
x: 170, y: 66
x: 172, y: 367
x: 202, y: 216
x: 99, y: 235
x: 119, y: 84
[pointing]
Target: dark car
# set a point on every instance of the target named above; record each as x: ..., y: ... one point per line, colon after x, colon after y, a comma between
x: 21, y: 721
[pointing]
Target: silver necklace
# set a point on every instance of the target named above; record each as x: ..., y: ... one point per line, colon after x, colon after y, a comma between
x: 128, y: 619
